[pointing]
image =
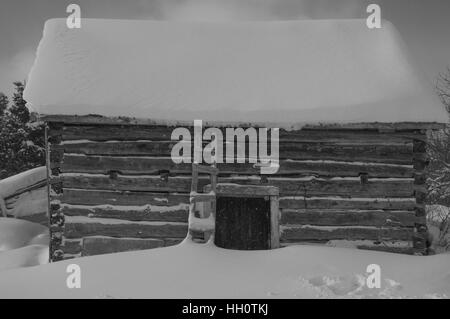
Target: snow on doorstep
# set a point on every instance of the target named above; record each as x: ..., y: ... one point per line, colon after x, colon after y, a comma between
x: 305, y: 71
x: 191, y: 271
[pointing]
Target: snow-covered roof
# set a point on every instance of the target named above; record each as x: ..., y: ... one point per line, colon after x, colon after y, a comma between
x: 305, y: 71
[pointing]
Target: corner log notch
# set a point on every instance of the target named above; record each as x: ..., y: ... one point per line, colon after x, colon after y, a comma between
x: 420, y: 163
x: 53, y: 137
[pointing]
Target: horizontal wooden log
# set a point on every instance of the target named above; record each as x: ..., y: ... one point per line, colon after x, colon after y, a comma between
x: 397, y: 126
x: 123, y: 132
x: 108, y: 245
x: 133, y: 230
x: 344, y: 203
x: 203, y: 198
x: 132, y: 121
x: 352, y: 151
x: 72, y: 246
x: 150, y: 213
x: 123, y: 198
x: 154, y: 165
x: 380, y: 246
x: 321, y: 233
x: 328, y: 217
x: 349, y: 136
x: 398, y: 153
x: 206, y: 169
x: 163, y: 133
x: 172, y: 241
x: 124, y: 148
x: 387, y: 249
x: 233, y: 190
x: 287, y: 186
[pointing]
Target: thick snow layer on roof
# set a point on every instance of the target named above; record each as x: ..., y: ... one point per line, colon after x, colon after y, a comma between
x: 281, y: 71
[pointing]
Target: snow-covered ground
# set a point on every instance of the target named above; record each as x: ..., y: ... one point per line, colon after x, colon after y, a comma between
x: 204, y: 271
x: 22, y: 243
x: 201, y: 271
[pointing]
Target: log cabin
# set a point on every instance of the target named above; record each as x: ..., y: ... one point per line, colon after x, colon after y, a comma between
x: 352, y: 111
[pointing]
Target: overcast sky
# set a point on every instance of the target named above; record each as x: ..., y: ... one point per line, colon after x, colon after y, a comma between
x: 424, y: 24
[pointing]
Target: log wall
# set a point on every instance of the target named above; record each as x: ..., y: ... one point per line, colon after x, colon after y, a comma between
x: 114, y: 187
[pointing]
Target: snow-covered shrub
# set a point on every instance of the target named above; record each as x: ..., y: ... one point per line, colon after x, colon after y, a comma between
x: 438, y: 172
x: 21, y: 141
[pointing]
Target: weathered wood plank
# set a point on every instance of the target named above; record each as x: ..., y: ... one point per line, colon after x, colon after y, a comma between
x: 172, y: 241
x: 121, y: 198
x: 163, y: 133
x: 98, y: 119
x: 134, y: 230
x: 397, y: 126
x: 349, y: 136
x: 287, y: 186
x: 385, y: 246
x: 234, y: 190
x: 345, y: 203
x: 124, y: 198
x: 387, y: 249
x: 129, y: 148
x: 147, y: 213
x: 399, y: 153
x: 108, y: 245
x: 72, y: 246
x: 328, y: 217
x: 122, y: 132
x: 320, y: 233
x: 154, y: 165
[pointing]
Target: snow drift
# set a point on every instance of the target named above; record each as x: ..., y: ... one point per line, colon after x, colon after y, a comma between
x: 278, y: 71
x: 25, y: 195
x: 22, y: 243
x: 15, y: 233
x: 14, y: 184
x: 26, y: 256
x: 197, y: 271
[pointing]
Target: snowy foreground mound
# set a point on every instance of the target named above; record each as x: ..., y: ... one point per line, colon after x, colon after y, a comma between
x: 196, y: 271
x: 22, y: 243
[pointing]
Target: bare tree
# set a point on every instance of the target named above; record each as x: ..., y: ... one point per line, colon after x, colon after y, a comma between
x: 439, y: 150
x: 439, y: 169
x: 443, y: 88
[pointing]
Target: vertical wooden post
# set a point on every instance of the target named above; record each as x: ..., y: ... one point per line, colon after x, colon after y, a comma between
x: 420, y: 161
x: 213, y: 203
x: 274, y: 223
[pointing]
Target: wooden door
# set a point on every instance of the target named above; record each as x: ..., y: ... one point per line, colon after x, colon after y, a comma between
x: 243, y: 223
